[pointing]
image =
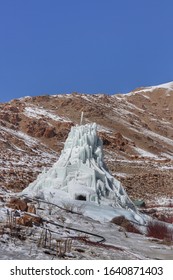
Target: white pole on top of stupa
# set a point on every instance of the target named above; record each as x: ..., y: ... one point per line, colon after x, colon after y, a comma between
x: 81, y: 118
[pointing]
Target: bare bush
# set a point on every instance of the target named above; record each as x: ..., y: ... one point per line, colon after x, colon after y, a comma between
x: 159, y: 230
x: 126, y: 224
x: 165, y: 218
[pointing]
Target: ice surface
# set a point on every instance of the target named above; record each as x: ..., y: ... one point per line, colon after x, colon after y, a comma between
x: 80, y: 174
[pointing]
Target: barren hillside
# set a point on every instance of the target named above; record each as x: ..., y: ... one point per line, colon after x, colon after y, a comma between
x: 136, y: 129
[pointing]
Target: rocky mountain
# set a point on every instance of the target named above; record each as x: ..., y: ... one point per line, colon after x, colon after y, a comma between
x: 136, y: 129
x: 137, y: 136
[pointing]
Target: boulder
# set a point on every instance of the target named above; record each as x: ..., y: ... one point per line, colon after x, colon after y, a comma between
x: 29, y: 221
x: 49, y: 132
x: 18, y: 204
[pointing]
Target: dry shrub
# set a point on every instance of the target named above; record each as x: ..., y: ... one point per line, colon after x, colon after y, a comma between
x: 169, y: 219
x: 126, y: 224
x: 159, y: 230
x: 131, y: 228
x: 165, y: 218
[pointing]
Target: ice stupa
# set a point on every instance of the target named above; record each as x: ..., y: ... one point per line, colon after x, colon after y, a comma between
x: 81, y: 174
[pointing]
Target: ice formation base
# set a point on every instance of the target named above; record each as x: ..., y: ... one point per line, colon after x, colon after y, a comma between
x: 81, y: 173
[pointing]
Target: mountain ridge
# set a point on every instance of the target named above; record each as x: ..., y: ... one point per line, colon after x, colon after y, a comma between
x: 136, y: 129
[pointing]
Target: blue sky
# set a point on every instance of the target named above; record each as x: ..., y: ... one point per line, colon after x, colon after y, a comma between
x: 86, y: 46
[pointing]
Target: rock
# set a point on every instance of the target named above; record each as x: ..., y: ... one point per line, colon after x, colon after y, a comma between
x: 18, y: 204
x: 49, y: 132
x: 28, y: 221
x: 2, y: 198
x: 139, y: 203
x: 31, y: 209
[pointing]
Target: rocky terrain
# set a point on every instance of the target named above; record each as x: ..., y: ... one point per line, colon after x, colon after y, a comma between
x: 136, y: 129
x: 137, y: 134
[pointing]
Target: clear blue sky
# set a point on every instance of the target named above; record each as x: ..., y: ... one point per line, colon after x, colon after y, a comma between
x: 88, y: 46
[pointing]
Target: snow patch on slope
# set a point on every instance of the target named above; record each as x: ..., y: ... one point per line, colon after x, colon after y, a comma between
x: 144, y: 153
x: 29, y: 141
x: 158, y: 136
x: 168, y: 86
x: 165, y: 85
x: 38, y: 113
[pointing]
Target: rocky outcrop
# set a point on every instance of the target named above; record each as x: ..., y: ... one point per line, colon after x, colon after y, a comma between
x: 29, y: 221
x: 25, y: 212
x: 148, y: 185
x: 49, y: 132
x: 116, y: 141
x: 17, y: 204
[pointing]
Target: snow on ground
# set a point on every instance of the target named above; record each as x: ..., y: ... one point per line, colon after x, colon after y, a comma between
x: 146, y: 97
x: 20, y: 160
x: 117, y: 244
x: 120, y: 174
x: 163, y: 122
x: 123, y: 119
x: 168, y: 86
x: 29, y: 141
x: 165, y: 85
x: 36, y: 112
x: 126, y: 161
x: 158, y: 136
x: 67, y: 95
x: 89, y: 99
x: 132, y: 106
x: 24, y: 98
x: 165, y: 167
x: 162, y: 201
x: 102, y: 128
x: 144, y: 153
x: 167, y: 155
x: 100, y: 212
